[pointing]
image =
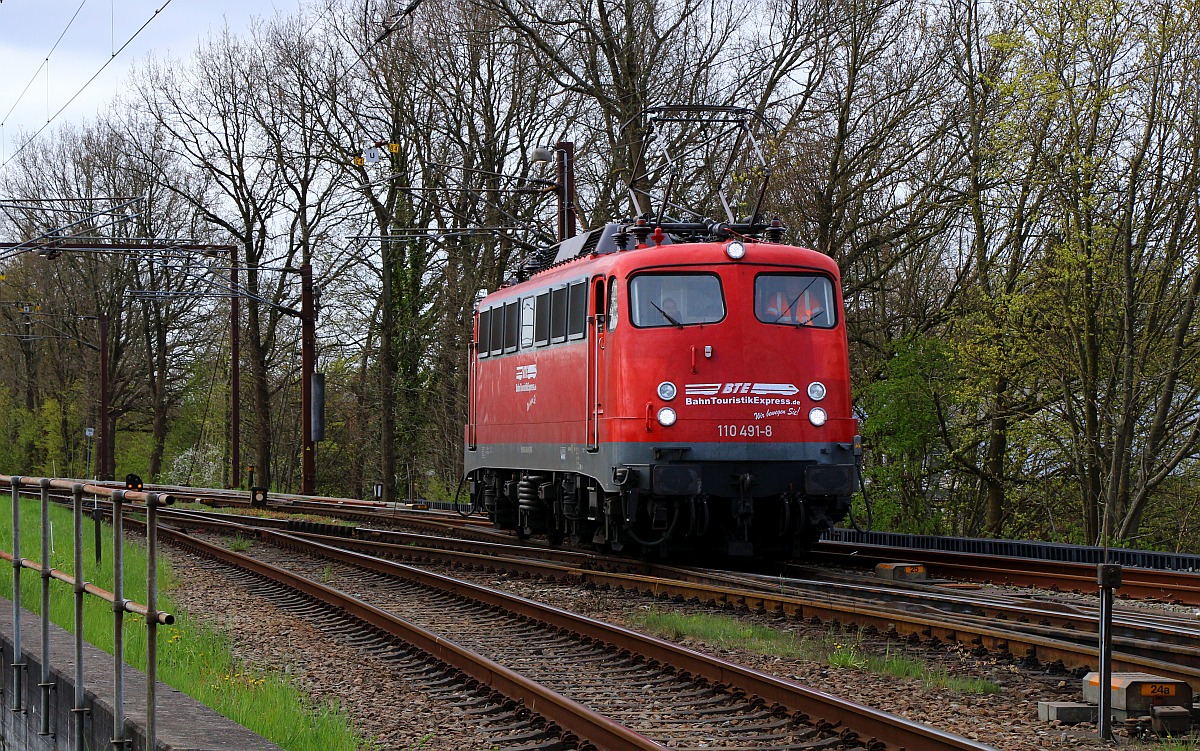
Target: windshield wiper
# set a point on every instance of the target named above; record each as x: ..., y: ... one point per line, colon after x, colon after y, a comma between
x: 808, y: 321
x: 664, y: 315
x: 792, y: 307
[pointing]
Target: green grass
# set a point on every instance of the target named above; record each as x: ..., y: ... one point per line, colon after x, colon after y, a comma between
x: 1171, y: 744
x: 833, y: 649
x: 192, y: 657
x: 261, y: 513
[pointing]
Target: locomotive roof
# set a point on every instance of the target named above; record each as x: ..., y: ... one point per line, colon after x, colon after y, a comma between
x: 604, y: 241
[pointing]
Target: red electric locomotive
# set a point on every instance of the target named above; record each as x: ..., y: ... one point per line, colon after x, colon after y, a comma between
x: 666, y: 386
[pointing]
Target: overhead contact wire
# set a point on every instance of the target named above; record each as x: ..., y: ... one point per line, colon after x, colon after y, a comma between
x: 45, y: 62
x: 88, y: 83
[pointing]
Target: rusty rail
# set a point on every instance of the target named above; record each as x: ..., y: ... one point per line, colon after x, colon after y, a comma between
x: 995, y: 627
x: 1151, y: 584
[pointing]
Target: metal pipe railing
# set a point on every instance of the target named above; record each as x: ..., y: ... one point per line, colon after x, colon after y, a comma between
x: 151, y: 616
x: 18, y: 663
x: 78, y: 710
x: 116, y: 599
x: 118, y: 606
x: 45, y: 684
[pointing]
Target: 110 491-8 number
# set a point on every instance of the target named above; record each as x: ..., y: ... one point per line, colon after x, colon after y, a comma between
x: 732, y: 430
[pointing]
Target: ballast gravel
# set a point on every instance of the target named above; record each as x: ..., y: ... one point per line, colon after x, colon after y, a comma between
x: 393, y: 714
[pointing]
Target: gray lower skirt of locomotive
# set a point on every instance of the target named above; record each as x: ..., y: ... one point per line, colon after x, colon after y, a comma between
x: 722, y: 469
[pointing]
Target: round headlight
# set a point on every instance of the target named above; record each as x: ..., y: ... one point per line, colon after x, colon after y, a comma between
x: 735, y: 250
x: 816, y: 391
x: 667, y: 391
x: 667, y: 417
x: 817, y: 416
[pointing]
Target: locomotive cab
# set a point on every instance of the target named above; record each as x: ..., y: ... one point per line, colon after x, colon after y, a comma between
x: 730, y: 417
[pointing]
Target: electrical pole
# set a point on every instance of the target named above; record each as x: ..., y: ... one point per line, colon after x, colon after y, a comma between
x: 564, y: 163
x: 308, y: 357
x: 235, y: 379
x: 105, y: 455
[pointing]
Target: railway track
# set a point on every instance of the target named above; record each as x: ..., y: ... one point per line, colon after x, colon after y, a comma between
x: 1032, y: 630
x: 595, y: 684
x: 738, y: 590
x: 1020, y: 628
x: 1180, y: 587
x: 1036, y: 631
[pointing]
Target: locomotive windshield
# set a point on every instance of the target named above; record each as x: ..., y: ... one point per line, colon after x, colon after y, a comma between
x: 795, y: 300
x: 657, y: 300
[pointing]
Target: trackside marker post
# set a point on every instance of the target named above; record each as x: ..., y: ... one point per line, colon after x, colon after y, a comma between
x: 1108, y: 576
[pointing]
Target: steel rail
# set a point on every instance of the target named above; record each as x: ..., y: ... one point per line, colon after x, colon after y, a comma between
x: 861, y: 721
x: 1172, y: 586
x: 1152, y: 584
x: 1042, y: 641
x: 1043, y: 644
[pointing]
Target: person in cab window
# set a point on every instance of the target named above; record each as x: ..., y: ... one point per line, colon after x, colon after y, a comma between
x: 792, y: 304
x: 779, y: 304
x: 670, y: 310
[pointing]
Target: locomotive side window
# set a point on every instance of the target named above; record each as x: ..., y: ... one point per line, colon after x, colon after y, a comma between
x: 612, y: 303
x: 541, y: 320
x: 497, y: 337
x: 577, y: 317
x: 511, y: 326
x: 795, y: 300
x: 657, y: 300
x: 558, y: 315
x: 485, y: 322
x: 526, y: 322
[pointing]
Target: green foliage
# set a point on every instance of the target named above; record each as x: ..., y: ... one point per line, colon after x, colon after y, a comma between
x: 49, y: 440
x: 196, y: 445
x: 434, y: 488
x: 13, y: 452
x: 132, y: 454
x: 904, y: 411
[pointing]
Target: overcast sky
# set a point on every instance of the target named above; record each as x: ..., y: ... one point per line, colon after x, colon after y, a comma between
x: 30, y: 28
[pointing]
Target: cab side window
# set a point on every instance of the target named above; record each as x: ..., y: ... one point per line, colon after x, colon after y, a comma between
x: 485, y: 322
x: 612, y: 303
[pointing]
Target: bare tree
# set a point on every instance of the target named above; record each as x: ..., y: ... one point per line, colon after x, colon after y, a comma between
x: 208, y: 113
